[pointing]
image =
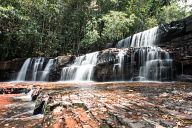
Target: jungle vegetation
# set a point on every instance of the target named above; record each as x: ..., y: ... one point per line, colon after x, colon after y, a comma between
x: 59, y: 27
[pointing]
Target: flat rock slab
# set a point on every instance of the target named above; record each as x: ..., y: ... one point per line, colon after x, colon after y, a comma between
x: 117, y: 105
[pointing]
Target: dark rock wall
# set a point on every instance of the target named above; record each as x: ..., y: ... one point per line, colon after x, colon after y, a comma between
x: 10, y: 69
x: 180, y: 45
x: 108, y: 68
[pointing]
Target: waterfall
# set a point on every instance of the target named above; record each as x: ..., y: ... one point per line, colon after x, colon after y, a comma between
x: 146, y: 38
x: 22, y: 73
x: 35, y: 69
x: 82, y: 68
x: 139, y: 58
x: 37, y: 66
x: 153, y: 63
x: 46, y: 71
x: 157, y: 65
x: 119, y: 67
x: 125, y: 43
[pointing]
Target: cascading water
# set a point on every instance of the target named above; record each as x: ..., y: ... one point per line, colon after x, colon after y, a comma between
x: 146, y: 38
x: 153, y: 62
x: 35, y: 69
x: 81, y: 69
x: 157, y: 66
x: 138, y: 59
x: 125, y: 43
x: 37, y: 66
x: 22, y: 73
x: 119, y: 67
x: 46, y: 71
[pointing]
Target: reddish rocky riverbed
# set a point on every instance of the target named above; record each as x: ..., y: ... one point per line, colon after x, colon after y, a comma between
x: 95, y: 105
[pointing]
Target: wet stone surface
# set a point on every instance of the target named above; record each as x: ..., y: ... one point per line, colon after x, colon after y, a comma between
x: 121, y: 105
x: 16, y: 108
x: 106, y: 105
x: 15, y: 113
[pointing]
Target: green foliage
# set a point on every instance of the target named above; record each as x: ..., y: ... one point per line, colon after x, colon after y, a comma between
x: 171, y: 13
x: 117, y: 24
x: 91, y: 36
x: 52, y: 27
x: 151, y: 22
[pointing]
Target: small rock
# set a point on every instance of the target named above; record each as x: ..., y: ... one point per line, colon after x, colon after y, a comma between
x: 130, y: 113
x: 137, y: 125
x: 6, y: 125
x: 167, y: 124
x: 189, y: 126
x: 126, y: 121
x: 86, y: 126
x: 175, y: 92
x: 57, y: 111
x: 163, y: 94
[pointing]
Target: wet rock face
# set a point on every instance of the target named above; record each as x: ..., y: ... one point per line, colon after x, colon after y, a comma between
x: 16, y: 107
x: 11, y: 65
x: 181, y: 48
x: 107, y: 66
x: 9, y: 69
x: 64, y: 60
x: 13, y: 90
x: 178, y: 40
x: 112, y: 66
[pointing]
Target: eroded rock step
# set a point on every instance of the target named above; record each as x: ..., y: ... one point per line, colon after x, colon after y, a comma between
x: 16, y: 107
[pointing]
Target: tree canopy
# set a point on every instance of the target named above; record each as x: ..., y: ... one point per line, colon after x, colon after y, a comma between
x: 55, y: 27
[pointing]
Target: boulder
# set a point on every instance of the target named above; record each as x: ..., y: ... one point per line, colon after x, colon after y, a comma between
x: 64, y: 60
